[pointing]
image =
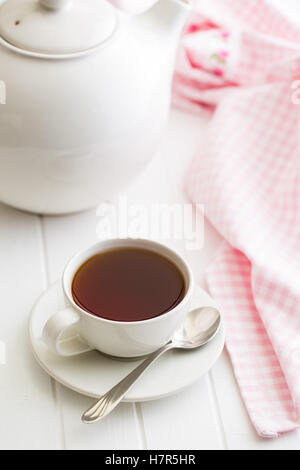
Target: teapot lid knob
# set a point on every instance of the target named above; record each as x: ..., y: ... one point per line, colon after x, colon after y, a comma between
x: 56, y: 4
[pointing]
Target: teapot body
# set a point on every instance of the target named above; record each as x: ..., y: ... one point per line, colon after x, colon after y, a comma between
x: 76, y: 131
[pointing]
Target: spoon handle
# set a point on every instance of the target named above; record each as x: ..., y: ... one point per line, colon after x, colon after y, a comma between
x: 111, y: 399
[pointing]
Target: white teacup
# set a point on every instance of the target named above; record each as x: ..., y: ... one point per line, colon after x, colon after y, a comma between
x: 74, y: 331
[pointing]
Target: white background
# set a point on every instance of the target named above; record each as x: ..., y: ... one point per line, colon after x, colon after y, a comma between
x: 36, y: 412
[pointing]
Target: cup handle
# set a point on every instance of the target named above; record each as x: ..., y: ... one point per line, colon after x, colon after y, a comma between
x: 61, y: 335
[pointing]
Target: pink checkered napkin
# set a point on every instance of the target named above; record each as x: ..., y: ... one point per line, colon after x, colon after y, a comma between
x: 228, y: 43
x: 247, y: 175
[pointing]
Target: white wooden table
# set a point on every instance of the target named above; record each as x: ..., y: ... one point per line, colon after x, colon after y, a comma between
x: 36, y: 412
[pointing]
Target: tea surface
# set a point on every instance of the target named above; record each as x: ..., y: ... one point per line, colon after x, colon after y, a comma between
x: 128, y: 284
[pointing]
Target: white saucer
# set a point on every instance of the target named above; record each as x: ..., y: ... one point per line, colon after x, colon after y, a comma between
x: 93, y: 374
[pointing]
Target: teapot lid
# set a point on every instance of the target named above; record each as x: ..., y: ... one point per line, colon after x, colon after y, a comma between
x: 56, y: 27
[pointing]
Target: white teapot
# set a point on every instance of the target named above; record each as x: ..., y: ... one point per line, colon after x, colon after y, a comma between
x: 85, y: 90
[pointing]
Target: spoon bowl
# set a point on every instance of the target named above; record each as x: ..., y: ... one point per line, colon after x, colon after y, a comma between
x: 200, y: 326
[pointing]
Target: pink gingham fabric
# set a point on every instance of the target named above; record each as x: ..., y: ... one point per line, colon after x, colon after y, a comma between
x: 228, y: 43
x: 247, y: 175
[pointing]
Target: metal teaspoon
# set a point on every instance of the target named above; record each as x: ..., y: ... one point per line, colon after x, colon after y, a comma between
x: 199, y: 327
